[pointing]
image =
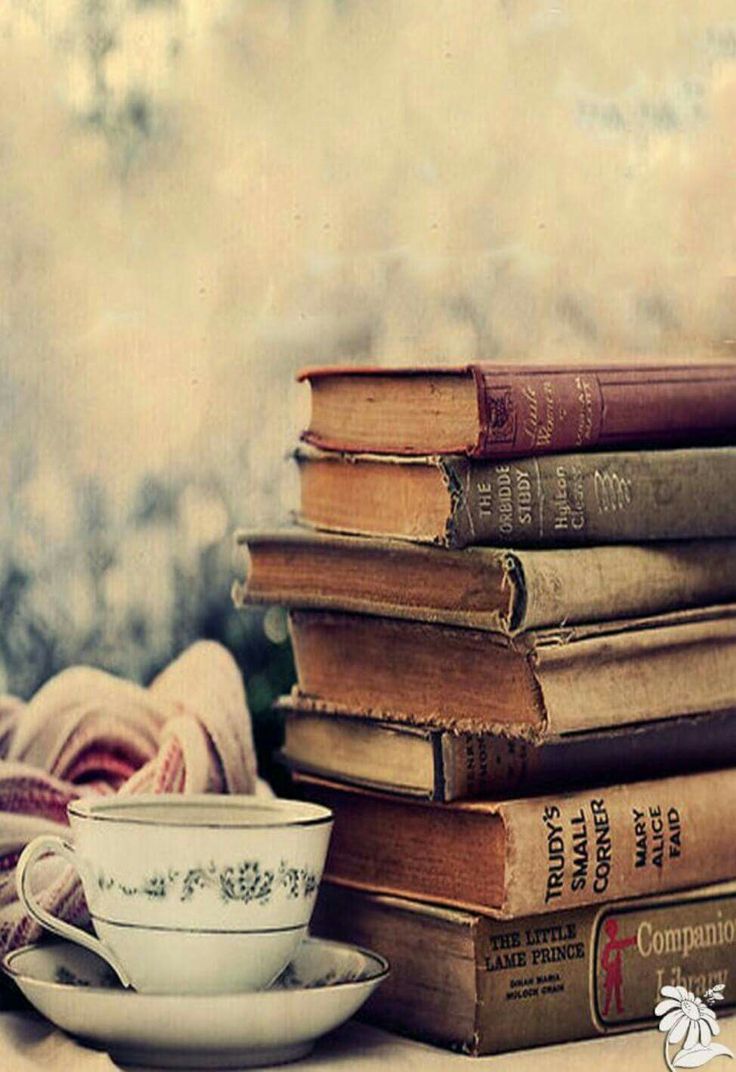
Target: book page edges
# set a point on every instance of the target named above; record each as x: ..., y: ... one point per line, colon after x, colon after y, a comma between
x: 312, y: 372
x: 477, y: 566
x: 532, y: 732
x: 544, y: 588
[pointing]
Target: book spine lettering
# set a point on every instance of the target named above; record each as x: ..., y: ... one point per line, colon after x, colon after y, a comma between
x: 534, y: 413
x: 540, y: 854
x: 540, y: 980
x: 509, y: 766
x: 604, y: 844
x: 548, y: 411
x: 574, y: 499
x: 475, y: 765
x: 579, y: 974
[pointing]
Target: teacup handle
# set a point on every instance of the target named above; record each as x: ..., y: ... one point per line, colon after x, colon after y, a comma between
x: 43, y: 846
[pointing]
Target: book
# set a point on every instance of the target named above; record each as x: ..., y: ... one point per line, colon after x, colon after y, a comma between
x: 528, y: 856
x: 487, y: 588
x: 557, y: 500
x: 546, y: 682
x: 437, y: 765
x: 507, y: 411
x: 472, y: 983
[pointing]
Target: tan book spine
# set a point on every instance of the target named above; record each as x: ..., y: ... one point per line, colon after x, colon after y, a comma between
x: 537, y: 980
x: 565, y: 679
x: 604, y: 844
x: 681, y: 665
x: 557, y: 587
x: 539, y: 854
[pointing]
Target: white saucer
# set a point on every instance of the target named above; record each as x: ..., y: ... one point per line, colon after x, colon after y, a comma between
x: 323, y: 986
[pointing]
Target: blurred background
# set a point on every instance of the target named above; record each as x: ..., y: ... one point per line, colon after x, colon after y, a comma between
x: 197, y: 198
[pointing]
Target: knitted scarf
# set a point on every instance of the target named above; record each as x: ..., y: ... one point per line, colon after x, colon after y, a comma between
x: 87, y: 732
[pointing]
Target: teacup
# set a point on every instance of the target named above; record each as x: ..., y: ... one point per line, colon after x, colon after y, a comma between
x: 190, y: 894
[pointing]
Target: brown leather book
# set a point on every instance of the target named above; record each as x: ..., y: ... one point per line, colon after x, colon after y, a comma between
x: 557, y: 500
x: 439, y: 765
x: 546, y: 682
x: 483, y: 587
x: 533, y: 855
x: 472, y: 983
x: 508, y: 411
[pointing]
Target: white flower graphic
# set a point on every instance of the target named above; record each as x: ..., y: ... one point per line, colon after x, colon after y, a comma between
x: 688, y: 1020
x: 685, y: 1015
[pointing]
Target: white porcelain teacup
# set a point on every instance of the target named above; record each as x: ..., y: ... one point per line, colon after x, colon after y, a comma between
x: 190, y: 894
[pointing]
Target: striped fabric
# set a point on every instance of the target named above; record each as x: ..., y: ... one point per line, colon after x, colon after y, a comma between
x: 87, y: 732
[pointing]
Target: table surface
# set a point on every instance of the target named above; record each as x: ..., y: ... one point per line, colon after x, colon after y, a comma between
x: 30, y: 1044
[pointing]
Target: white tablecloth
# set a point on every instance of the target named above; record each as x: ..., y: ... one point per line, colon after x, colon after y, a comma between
x: 29, y: 1044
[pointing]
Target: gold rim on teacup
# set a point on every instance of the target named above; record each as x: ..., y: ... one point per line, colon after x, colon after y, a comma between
x: 105, y: 809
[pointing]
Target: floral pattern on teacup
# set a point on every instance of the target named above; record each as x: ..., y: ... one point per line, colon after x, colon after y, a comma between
x: 246, y: 881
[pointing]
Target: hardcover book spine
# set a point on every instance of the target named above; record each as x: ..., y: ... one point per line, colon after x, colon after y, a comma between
x: 536, y: 855
x: 476, y: 765
x: 491, y: 765
x: 539, y: 980
x: 685, y: 667
x: 571, y: 499
x: 604, y: 844
x: 549, y: 411
x: 608, y: 582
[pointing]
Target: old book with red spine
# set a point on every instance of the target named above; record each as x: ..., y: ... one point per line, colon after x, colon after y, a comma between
x: 508, y: 411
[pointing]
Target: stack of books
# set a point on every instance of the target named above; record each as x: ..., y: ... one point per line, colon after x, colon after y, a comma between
x: 513, y: 612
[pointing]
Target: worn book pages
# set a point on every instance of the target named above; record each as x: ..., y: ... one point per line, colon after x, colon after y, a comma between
x: 444, y: 766
x: 534, y: 855
x: 482, y: 587
x: 536, y: 684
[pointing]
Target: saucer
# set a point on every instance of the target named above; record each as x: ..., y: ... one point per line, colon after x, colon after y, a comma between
x: 323, y: 986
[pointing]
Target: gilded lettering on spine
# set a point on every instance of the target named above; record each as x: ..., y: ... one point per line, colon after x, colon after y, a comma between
x: 539, y: 412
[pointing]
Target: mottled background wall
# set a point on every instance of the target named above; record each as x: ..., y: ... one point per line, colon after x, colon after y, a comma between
x: 197, y: 196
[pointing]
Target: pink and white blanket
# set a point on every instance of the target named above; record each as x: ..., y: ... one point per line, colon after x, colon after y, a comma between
x: 88, y: 732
